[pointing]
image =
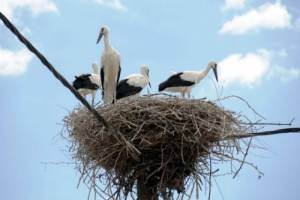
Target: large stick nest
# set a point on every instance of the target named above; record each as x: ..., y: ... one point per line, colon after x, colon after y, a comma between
x: 175, y: 141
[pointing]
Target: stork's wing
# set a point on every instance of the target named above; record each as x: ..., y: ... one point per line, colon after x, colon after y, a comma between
x: 119, y: 74
x: 126, y: 90
x: 84, y: 82
x: 175, y: 81
x: 102, y: 79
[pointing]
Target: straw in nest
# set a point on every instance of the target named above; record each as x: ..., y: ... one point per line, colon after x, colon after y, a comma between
x: 176, y: 139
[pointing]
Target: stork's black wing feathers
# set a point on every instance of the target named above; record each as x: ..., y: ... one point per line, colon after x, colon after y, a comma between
x: 119, y: 74
x: 125, y: 90
x: 175, y: 81
x: 102, y: 79
x: 84, y: 82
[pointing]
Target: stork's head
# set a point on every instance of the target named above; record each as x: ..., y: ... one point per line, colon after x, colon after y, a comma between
x: 214, y: 66
x: 104, y: 30
x: 145, y: 71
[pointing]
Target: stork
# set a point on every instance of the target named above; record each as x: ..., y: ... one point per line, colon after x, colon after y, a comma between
x: 183, y: 82
x: 87, y: 84
x: 133, y: 84
x: 110, y: 67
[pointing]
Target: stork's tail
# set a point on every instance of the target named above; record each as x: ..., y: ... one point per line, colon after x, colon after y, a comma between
x: 95, y: 68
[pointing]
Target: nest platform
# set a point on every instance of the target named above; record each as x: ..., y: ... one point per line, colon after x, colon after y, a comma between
x: 175, y: 141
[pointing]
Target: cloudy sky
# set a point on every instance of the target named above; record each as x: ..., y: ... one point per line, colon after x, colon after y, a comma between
x: 255, y: 43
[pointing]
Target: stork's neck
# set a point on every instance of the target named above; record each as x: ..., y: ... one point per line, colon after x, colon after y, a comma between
x: 203, y: 73
x: 144, y: 74
x: 106, y: 42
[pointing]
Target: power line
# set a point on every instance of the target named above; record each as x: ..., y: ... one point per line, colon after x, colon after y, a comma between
x: 42, y: 58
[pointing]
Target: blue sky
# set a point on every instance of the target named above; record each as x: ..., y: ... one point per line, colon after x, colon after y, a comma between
x: 255, y: 43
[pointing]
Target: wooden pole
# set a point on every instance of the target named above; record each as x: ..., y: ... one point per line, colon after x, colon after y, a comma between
x: 145, y: 190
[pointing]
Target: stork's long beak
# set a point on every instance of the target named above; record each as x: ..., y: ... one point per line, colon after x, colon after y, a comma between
x: 216, y: 73
x: 99, y: 37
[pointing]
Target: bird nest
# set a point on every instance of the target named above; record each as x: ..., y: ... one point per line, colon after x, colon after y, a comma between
x: 157, y: 145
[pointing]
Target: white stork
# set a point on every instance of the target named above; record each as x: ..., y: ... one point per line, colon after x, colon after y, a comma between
x: 133, y: 84
x: 183, y: 82
x: 110, y: 67
x: 87, y: 84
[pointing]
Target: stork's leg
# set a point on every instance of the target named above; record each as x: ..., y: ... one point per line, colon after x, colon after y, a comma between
x: 182, y: 94
x: 93, y: 98
x: 83, y: 95
x: 189, y: 94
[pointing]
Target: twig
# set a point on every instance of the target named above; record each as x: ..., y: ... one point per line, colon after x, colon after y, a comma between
x: 268, y: 124
x: 246, y: 102
x: 263, y: 133
x: 210, y: 176
x: 160, y: 94
x: 244, y: 158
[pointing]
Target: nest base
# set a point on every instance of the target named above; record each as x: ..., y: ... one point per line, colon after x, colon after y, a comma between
x: 177, y: 139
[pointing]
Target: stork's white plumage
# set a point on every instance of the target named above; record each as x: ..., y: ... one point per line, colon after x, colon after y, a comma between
x: 110, y: 67
x: 133, y: 84
x: 88, y: 84
x: 183, y: 82
x: 95, y: 77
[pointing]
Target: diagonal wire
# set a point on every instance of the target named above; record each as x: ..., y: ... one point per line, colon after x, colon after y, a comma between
x: 130, y: 147
x: 42, y: 58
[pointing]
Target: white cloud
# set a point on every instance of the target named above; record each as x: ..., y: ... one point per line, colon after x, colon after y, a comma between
x: 284, y: 74
x: 267, y: 16
x: 246, y: 69
x: 234, y: 4
x: 115, y: 4
x: 14, y: 63
x: 249, y: 69
x: 9, y: 7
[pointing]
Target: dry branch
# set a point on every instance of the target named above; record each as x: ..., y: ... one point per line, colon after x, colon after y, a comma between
x: 264, y: 133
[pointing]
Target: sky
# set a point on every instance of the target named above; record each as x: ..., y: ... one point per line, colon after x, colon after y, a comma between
x: 253, y: 41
